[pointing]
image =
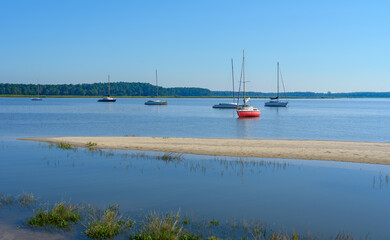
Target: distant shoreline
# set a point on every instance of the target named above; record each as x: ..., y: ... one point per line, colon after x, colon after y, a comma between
x: 358, y: 152
x: 215, y: 97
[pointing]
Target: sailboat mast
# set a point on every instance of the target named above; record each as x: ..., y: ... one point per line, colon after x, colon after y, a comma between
x: 108, y: 84
x: 243, y: 73
x: 156, y: 84
x: 233, y: 80
x: 278, y: 80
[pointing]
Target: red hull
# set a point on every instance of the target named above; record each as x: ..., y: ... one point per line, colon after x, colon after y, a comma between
x: 248, y: 113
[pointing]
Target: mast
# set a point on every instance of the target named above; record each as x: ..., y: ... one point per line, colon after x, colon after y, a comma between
x: 38, y: 90
x: 233, y: 80
x: 278, y: 80
x: 243, y: 73
x: 156, y: 85
x: 108, y: 84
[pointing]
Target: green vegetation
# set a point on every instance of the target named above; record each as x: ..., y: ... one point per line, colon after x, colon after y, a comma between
x: 170, y: 156
x: 26, y: 199
x: 91, y: 144
x: 99, y: 89
x: 7, y: 200
x: 163, y: 227
x: 66, y: 146
x: 60, y: 216
x: 107, y: 225
x: 137, y: 89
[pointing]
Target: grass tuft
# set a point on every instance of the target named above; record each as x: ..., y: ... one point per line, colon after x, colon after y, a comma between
x: 91, y: 144
x: 60, y: 216
x: 7, y: 200
x: 168, y: 157
x: 66, y: 146
x: 26, y: 199
x: 107, y: 225
x: 163, y: 227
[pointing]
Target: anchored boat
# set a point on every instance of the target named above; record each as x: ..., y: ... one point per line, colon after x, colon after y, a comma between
x: 228, y: 105
x: 108, y: 98
x: 246, y: 110
x: 156, y: 101
x: 274, y: 101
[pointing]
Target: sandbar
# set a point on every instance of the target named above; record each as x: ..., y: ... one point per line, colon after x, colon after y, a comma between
x: 361, y: 152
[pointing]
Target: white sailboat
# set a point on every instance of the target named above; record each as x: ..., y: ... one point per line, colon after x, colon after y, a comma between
x: 37, y: 98
x: 274, y: 101
x: 108, y: 98
x: 231, y: 104
x: 156, y: 101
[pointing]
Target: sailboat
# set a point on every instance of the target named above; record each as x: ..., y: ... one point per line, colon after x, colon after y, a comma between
x: 37, y: 98
x: 274, y: 101
x: 228, y: 105
x: 246, y: 110
x: 108, y: 98
x: 156, y: 101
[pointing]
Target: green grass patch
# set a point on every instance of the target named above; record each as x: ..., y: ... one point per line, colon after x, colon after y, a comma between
x: 65, y: 146
x: 62, y: 215
x: 91, y: 144
x: 168, y: 157
x: 163, y: 227
x: 106, y: 225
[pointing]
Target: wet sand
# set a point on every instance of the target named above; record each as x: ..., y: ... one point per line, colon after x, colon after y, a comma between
x: 362, y: 152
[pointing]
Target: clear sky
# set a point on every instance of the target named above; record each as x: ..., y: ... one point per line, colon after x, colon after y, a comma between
x: 329, y: 45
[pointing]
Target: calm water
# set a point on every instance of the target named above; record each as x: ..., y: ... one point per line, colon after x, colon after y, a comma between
x: 315, y: 196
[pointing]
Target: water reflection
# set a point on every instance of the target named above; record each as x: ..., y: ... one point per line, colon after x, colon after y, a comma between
x: 245, y: 127
x: 380, y: 181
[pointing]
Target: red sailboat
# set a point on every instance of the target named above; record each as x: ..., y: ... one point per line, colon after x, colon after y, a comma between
x: 246, y: 110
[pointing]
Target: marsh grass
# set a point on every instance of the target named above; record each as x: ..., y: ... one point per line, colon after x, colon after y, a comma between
x: 65, y: 146
x: 61, y: 215
x: 7, y: 200
x: 106, y: 225
x: 170, y: 156
x: 26, y: 199
x: 166, y: 226
x: 91, y: 144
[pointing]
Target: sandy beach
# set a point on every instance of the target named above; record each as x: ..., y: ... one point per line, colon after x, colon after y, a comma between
x: 362, y: 152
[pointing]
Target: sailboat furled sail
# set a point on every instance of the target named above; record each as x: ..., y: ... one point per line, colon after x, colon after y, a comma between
x: 246, y: 110
x: 156, y: 101
x: 274, y: 101
x: 231, y: 104
x: 108, y: 98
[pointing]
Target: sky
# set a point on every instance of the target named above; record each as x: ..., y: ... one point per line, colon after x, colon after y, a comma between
x: 329, y: 45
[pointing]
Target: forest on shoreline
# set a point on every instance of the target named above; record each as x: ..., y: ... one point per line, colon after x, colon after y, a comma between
x: 137, y: 89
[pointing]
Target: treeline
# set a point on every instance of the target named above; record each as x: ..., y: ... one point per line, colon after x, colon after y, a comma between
x: 137, y: 89
x: 308, y: 94
x: 100, y: 89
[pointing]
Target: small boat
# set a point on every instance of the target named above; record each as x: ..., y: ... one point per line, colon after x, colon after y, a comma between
x: 274, y: 101
x: 228, y: 105
x: 156, y: 101
x: 37, y: 98
x: 246, y: 110
x: 108, y: 98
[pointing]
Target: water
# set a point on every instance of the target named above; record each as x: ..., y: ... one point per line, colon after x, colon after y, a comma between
x: 301, y: 195
x: 323, y: 119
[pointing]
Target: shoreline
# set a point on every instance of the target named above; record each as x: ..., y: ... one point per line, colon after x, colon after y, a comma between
x: 342, y: 151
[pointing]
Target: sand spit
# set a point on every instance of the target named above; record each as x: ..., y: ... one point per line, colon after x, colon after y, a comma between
x: 362, y: 152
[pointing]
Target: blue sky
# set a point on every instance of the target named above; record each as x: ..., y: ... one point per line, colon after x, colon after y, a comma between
x: 338, y: 46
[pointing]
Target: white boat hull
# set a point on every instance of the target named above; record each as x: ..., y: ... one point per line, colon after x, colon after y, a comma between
x: 156, y: 102
x: 225, y: 105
